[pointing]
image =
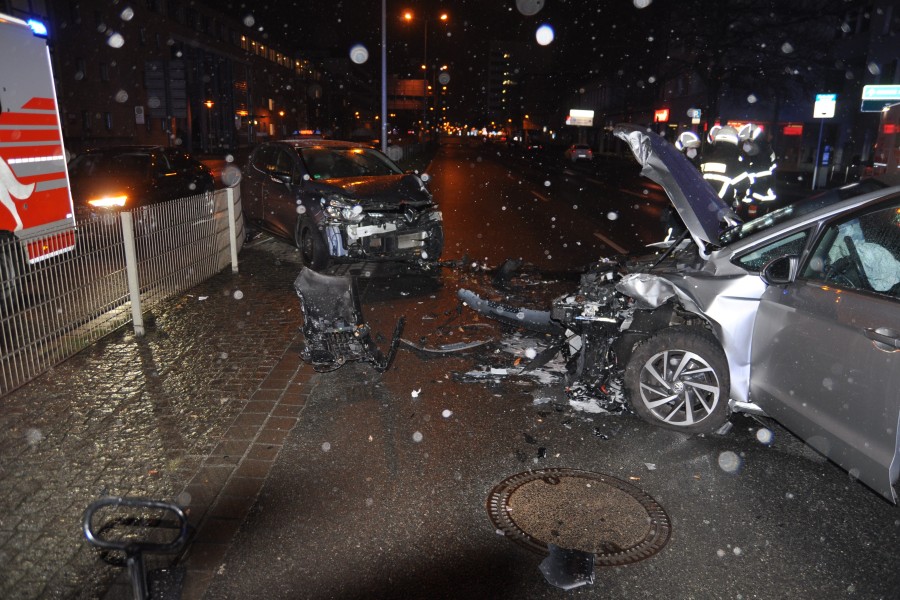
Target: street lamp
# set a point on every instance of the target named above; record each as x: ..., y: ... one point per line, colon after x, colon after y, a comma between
x: 408, y: 16
x: 209, y: 132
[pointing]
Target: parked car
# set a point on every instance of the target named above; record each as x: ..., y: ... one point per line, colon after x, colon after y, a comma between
x: 577, y: 152
x: 794, y: 315
x: 125, y: 177
x: 341, y: 201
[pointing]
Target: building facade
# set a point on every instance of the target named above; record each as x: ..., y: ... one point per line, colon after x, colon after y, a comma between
x: 170, y: 72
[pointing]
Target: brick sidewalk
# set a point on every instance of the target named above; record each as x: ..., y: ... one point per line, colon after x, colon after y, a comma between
x: 194, y: 412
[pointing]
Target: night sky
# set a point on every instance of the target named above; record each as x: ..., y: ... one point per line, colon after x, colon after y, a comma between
x: 586, y: 32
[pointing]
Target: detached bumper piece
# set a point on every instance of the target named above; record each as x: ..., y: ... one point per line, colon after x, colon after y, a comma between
x: 333, y: 325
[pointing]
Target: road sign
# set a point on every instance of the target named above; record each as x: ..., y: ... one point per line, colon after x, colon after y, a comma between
x: 876, y: 98
x: 824, y: 108
x: 580, y: 118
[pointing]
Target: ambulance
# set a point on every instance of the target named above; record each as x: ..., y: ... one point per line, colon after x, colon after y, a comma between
x: 36, y: 216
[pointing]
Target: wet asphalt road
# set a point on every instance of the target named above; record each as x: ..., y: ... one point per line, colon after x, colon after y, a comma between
x: 380, y: 490
x: 347, y: 485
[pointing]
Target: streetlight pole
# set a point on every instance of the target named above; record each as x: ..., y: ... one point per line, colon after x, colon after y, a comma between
x: 384, y: 76
x: 409, y: 17
x: 425, y: 82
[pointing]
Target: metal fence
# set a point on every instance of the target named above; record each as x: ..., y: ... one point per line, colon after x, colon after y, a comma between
x: 122, y: 265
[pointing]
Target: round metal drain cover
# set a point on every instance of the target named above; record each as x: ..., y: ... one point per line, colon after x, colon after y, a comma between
x: 579, y: 510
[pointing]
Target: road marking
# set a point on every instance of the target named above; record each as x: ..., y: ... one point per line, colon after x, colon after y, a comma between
x: 645, y: 195
x: 541, y: 197
x: 610, y: 243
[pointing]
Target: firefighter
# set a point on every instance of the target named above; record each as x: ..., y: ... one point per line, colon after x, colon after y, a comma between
x: 689, y: 144
x: 760, y: 160
x: 724, y: 167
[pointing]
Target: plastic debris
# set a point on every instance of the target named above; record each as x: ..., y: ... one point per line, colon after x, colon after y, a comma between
x: 567, y: 569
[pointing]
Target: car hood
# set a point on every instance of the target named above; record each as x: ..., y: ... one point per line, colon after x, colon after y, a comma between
x: 378, y: 192
x: 702, y: 211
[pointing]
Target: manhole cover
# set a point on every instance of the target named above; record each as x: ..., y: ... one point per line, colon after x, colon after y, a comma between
x: 579, y: 510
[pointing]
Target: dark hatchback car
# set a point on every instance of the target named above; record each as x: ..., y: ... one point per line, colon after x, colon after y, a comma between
x: 126, y: 177
x: 341, y: 201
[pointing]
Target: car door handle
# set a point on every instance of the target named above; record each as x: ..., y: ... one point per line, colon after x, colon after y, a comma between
x: 884, y: 336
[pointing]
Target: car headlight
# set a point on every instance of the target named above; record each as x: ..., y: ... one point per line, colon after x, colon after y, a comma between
x: 339, y: 207
x: 108, y: 201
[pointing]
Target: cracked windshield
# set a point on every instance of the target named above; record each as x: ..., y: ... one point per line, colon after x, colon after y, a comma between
x: 417, y: 299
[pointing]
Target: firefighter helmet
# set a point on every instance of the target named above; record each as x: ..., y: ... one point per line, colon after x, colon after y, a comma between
x: 687, y: 139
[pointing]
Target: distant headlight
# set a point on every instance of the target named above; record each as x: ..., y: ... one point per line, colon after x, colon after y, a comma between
x: 108, y: 202
x: 339, y: 207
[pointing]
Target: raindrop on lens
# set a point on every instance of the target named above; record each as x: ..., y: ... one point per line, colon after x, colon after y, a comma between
x: 359, y: 54
x: 764, y: 436
x: 249, y: 21
x: 116, y: 40
x: 751, y: 99
x: 121, y: 96
x: 787, y: 48
x: 642, y: 3
x: 326, y: 446
x: 612, y: 216
x: 127, y: 14
x: 544, y: 35
x: 238, y: 294
x: 729, y: 461
x: 447, y: 413
x: 417, y: 436
x: 529, y: 7
x: 874, y: 69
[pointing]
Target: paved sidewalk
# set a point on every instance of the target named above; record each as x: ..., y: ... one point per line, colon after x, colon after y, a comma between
x: 195, y: 412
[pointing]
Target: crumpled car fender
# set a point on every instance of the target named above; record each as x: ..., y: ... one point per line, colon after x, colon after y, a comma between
x: 729, y: 305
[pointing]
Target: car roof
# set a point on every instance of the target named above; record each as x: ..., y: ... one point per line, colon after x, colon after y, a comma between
x: 123, y: 148
x: 812, y: 210
x: 312, y: 143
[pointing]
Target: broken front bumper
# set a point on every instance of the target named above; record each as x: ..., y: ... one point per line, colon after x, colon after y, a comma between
x: 333, y: 325
x: 395, y: 237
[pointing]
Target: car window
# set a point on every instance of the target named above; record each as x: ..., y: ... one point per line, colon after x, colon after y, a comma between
x: 160, y: 161
x: 760, y: 257
x: 263, y: 157
x: 283, y: 165
x: 333, y: 163
x: 862, y: 252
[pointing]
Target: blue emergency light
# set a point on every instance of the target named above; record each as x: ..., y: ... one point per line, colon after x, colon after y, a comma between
x: 37, y: 27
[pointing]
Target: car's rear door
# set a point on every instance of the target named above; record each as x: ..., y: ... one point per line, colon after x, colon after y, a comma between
x: 826, y: 347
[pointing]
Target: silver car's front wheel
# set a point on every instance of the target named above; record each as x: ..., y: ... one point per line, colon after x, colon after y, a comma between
x: 678, y: 378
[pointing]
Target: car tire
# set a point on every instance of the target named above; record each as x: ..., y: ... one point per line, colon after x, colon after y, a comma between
x: 313, y: 251
x: 678, y: 378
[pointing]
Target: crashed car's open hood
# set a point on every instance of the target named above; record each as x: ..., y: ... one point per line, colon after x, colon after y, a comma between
x: 702, y: 211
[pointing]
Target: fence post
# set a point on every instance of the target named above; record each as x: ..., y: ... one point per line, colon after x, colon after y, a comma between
x: 232, y: 229
x: 134, y: 286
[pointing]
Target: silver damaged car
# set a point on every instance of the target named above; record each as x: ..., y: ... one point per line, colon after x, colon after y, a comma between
x: 795, y: 315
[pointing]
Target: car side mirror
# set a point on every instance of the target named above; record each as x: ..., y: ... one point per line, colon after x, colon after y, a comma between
x: 781, y: 271
x: 284, y: 178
